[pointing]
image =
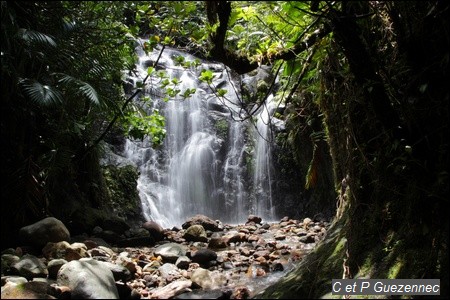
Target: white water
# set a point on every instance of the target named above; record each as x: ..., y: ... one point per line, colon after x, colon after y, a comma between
x: 262, y: 174
x: 195, y: 171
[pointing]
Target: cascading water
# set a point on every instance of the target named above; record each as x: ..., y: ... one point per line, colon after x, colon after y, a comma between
x: 262, y: 173
x: 202, y: 167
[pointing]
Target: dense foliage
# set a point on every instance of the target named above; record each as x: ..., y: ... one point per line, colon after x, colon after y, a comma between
x: 364, y: 78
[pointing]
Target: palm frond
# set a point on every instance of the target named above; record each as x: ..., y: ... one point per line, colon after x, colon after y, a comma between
x: 83, y: 88
x: 40, y: 94
x: 32, y: 37
x: 89, y: 92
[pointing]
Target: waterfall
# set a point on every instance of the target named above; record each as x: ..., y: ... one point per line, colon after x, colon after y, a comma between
x: 262, y: 173
x: 202, y: 166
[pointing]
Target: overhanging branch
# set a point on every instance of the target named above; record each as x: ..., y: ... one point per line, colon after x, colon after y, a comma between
x: 242, y: 64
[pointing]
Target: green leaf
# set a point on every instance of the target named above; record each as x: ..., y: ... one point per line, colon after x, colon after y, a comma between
x: 165, y: 82
x: 150, y: 70
x: 39, y: 93
x: 35, y: 37
x: 206, y: 76
x: 89, y: 92
x: 167, y: 40
x: 221, y: 92
x: 187, y: 93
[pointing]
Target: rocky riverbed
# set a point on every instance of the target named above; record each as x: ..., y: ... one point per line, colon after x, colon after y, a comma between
x: 202, y: 259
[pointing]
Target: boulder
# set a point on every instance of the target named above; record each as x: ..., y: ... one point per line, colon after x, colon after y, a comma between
x: 88, y: 279
x: 170, y: 252
x: 29, y: 266
x: 204, y: 256
x: 27, y: 290
x: 155, y: 230
x: 195, y: 233
x: 46, y: 230
x: 206, y: 222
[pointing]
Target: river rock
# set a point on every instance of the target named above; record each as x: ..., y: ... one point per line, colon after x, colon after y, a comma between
x: 29, y: 266
x: 88, y: 279
x: 216, y: 241
x: 206, y: 222
x: 119, y: 272
x: 183, y: 262
x: 46, y: 230
x: 53, y: 267
x: 203, y: 256
x: 27, y: 290
x: 7, y: 261
x: 155, y: 230
x: 171, y: 290
x: 170, y: 251
x: 254, y: 219
x: 195, y: 233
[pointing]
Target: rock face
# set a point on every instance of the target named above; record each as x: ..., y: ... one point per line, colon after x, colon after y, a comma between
x: 46, y: 230
x: 88, y: 279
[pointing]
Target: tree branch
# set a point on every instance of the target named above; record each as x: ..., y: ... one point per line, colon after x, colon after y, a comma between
x: 242, y: 64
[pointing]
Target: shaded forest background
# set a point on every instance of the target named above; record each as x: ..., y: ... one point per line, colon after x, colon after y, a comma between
x: 367, y: 79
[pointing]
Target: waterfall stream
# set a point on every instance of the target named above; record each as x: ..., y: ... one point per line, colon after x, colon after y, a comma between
x: 208, y: 163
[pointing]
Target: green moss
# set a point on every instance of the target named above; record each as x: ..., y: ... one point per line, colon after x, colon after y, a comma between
x: 121, y: 183
x: 395, y: 269
x: 222, y: 128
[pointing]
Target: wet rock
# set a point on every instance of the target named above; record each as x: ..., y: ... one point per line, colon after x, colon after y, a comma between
x: 202, y: 278
x: 240, y: 292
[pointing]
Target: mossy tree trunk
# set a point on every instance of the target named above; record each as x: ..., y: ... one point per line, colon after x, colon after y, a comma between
x: 387, y: 118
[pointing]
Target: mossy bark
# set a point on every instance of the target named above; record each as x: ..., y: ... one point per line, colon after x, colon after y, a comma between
x: 395, y: 180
